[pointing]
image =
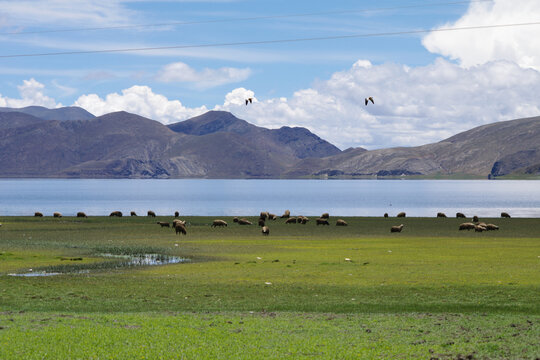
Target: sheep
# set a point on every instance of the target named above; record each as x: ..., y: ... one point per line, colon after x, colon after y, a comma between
x: 321, y: 221
x: 396, y: 228
x: 441, y: 215
x: 402, y: 214
x: 116, y: 213
x: 235, y: 219
x: 385, y: 215
x: 264, y: 215
x: 325, y: 216
x: 265, y: 230
x: 460, y: 215
x: 475, y: 218
x: 218, y: 222
x: 286, y: 214
x: 133, y: 213
x: 505, y: 215
x: 466, y: 226
x: 244, y: 222
x: 57, y: 215
x: 176, y: 214
x: 261, y: 222
x: 492, y: 227
x: 151, y: 213
x: 81, y: 214
x: 304, y: 220
x: 38, y: 214
x: 163, y: 224
x: 341, y: 222
x: 179, y: 228
x: 479, y: 228
x: 291, y: 220
x: 178, y: 221
x: 300, y: 219
x: 272, y: 216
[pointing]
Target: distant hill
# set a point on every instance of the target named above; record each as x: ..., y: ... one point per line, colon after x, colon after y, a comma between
x: 492, y: 150
x: 16, y: 119
x: 64, y: 113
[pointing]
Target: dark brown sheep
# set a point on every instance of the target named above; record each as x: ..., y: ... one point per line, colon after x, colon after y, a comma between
x: 385, y: 215
x: 133, y: 213
x: 151, y: 213
x: 479, y: 228
x: 286, y: 214
x: 466, y: 226
x: 272, y: 216
x: 235, y: 219
x: 396, y: 228
x: 261, y: 222
x: 116, y: 213
x: 402, y: 214
x: 180, y: 229
x: 57, y: 215
x: 505, y: 215
x: 176, y: 214
x: 341, y: 222
x: 178, y: 221
x: 304, y: 220
x: 492, y: 227
x: 475, y: 218
x: 219, y: 222
x: 291, y: 220
x: 265, y: 230
x: 38, y: 214
x: 81, y: 214
x: 325, y: 216
x: 264, y: 215
x: 441, y: 215
x: 321, y: 221
x: 164, y: 224
x: 244, y: 222
x: 460, y: 215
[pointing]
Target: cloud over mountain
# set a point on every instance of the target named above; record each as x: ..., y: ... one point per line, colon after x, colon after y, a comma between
x: 206, y: 78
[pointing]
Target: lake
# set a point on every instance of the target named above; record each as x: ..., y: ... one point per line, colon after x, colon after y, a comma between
x: 486, y: 198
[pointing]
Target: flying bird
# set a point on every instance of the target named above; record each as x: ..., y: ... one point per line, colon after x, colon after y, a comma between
x: 370, y: 99
x: 249, y: 100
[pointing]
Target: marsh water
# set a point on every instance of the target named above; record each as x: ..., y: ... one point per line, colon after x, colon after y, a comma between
x: 205, y: 197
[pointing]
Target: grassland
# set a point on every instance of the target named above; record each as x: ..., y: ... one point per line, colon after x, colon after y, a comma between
x: 430, y: 291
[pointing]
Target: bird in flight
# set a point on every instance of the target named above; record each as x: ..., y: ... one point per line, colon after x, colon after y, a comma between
x: 249, y: 100
x: 370, y: 99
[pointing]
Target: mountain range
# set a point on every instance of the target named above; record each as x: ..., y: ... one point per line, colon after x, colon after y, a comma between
x: 71, y: 142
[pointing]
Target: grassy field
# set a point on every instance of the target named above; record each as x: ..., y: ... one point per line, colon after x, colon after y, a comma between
x: 429, y: 292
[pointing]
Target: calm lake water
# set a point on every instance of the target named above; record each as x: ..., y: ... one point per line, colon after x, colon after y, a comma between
x: 249, y: 197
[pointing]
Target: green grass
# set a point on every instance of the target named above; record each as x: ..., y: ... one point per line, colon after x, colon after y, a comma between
x: 431, y: 273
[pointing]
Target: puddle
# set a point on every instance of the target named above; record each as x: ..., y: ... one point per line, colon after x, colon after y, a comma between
x: 128, y: 261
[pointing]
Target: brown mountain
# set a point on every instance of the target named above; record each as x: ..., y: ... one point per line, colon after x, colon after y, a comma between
x: 496, y: 149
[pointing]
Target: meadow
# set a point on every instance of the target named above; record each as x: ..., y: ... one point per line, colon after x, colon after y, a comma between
x: 303, y: 291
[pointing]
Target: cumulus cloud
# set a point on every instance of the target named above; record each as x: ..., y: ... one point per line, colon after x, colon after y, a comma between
x: 32, y: 93
x: 139, y: 100
x: 206, y: 78
x: 519, y: 44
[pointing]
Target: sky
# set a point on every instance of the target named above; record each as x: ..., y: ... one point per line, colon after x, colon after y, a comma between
x: 305, y: 63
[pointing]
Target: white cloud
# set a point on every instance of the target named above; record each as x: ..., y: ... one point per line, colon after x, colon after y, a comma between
x: 206, y: 78
x: 31, y: 92
x: 139, y: 100
x: 519, y: 44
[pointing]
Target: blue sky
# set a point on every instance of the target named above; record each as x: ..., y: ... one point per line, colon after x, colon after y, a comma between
x: 427, y: 86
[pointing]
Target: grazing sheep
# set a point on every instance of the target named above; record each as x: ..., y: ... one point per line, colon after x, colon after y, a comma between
x: 81, y: 214
x: 401, y: 214
x: 264, y: 215
x: 38, y: 214
x: 325, y: 216
x: 385, y: 215
x: 304, y: 220
x: 163, y: 224
x: 116, y: 213
x: 179, y: 228
x: 396, y: 228
x: 133, y: 213
x: 505, y: 215
x: 265, y: 230
x: 235, y: 219
x: 286, y: 214
x: 460, y: 215
x: 151, y: 213
x: 244, y: 222
x: 341, y: 222
x: 178, y: 221
x: 261, y: 222
x: 300, y: 219
x: 475, y: 218
x: 441, y: 215
x: 176, y: 214
x: 57, y: 214
x: 466, y: 226
x: 272, y: 216
x: 492, y: 227
x: 482, y: 224
x: 479, y: 228
x: 218, y: 222
x: 291, y: 220
x: 321, y: 221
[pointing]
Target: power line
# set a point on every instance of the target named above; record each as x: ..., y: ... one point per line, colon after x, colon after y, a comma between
x: 179, y: 23
x: 259, y: 42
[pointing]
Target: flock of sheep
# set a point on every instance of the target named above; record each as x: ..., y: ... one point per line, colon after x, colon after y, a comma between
x: 180, y: 225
